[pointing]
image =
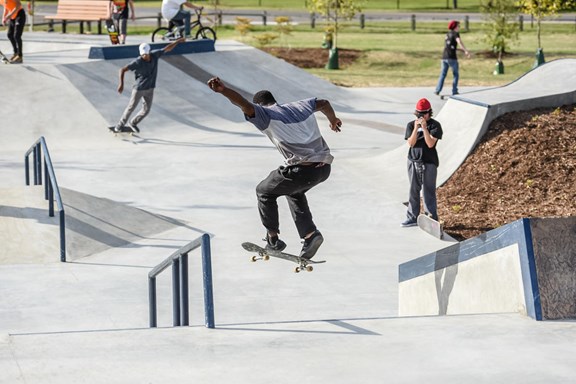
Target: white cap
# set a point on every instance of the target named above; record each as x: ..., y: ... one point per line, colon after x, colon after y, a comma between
x: 144, y: 49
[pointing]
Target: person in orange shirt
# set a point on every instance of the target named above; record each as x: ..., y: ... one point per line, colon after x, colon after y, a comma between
x: 119, y: 13
x: 15, y: 16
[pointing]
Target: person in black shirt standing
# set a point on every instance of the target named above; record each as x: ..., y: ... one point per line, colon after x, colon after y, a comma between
x: 422, y: 135
x: 450, y: 58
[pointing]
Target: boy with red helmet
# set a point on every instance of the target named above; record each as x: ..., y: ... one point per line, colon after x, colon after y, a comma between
x: 422, y: 135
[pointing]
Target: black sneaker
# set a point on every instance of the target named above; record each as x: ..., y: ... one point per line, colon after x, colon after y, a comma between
x: 311, y: 245
x: 274, y: 244
x: 134, y: 128
x: 409, y: 223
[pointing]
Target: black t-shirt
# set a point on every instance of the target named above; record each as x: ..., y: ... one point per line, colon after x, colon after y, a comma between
x: 420, y: 151
x: 450, y: 45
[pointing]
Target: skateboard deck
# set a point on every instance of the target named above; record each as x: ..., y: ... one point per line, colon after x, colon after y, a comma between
x: 5, y: 60
x: 263, y: 254
x: 431, y: 226
x: 123, y: 130
x: 112, y: 32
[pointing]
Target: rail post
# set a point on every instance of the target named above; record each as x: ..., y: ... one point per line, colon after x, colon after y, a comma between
x: 152, y: 302
x: 207, y: 274
x: 176, y: 293
x: 185, y: 315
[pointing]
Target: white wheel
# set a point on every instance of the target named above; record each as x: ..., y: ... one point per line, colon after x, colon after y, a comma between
x: 309, y: 268
x: 266, y: 257
x: 297, y: 269
x: 253, y: 258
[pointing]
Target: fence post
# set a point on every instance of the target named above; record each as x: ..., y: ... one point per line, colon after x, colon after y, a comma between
x: 467, y: 23
x: 207, y: 274
x: 264, y: 18
x: 362, y: 21
x: 413, y: 22
x: 313, y: 20
x: 521, y: 22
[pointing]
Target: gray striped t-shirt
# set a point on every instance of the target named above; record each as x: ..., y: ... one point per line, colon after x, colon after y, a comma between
x: 293, y: 129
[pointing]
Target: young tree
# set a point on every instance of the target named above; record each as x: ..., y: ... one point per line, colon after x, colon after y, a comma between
x: 540, y: 9
x: 335, y: 11
x: 502, y: 28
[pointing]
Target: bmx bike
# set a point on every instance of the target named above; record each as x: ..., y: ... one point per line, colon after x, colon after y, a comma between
x: 176, y: 31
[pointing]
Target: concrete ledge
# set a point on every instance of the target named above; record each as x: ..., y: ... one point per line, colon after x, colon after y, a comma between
x: 527, y: 266
x: 114, y: 52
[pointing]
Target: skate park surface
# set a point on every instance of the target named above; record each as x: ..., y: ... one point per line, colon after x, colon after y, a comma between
x: 132, y: 201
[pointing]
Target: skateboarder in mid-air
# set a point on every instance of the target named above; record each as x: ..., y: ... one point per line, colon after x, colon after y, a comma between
x: 293, y: 129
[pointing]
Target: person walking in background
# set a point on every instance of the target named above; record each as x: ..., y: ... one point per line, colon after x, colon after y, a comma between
x: 15, y: 16
x: 293, y: 129
x: 450, y: 57
x: 145, y: 69
x: 120, y: 10
x: 422, y: 135
x: 172, y: 10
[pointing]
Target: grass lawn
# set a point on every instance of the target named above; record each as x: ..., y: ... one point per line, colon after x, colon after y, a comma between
x: 395, y: 56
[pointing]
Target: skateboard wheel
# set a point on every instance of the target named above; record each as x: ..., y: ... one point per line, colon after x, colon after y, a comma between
x: 297, y: 269
x: 254, y: 258
x: 266, y: 257
x: 309, y: 268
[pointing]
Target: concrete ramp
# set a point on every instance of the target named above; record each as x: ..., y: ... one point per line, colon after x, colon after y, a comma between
x: 527, y: 266
x: 93, y: 225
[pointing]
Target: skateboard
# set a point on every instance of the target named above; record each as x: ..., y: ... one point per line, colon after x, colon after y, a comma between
x: 5, y: 60
x: 431, y: 226
x: 263, y: 254
x: 123, y: 130
x: 112, y: 32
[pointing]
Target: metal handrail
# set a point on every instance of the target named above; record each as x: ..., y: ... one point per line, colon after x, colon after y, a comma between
x: 51, y: 190
x: 180, y: 300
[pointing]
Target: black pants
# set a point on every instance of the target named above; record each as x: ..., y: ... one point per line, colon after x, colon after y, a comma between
x: 15, y: 30
x: 293, y: 182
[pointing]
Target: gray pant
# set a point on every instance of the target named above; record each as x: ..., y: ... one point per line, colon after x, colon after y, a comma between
x: 147, y: 96
x: 422, y: 177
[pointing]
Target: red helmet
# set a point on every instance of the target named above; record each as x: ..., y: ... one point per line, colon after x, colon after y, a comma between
x: 423, y: 105
x: 453, y: 24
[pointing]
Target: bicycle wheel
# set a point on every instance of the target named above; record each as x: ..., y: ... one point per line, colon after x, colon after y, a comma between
x: 162, y: 34
x: 206, y: 33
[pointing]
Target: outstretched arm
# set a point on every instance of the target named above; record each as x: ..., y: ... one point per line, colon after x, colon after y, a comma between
x: 235, y: 98
x: 325, y: 107
x: 171, y: 46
